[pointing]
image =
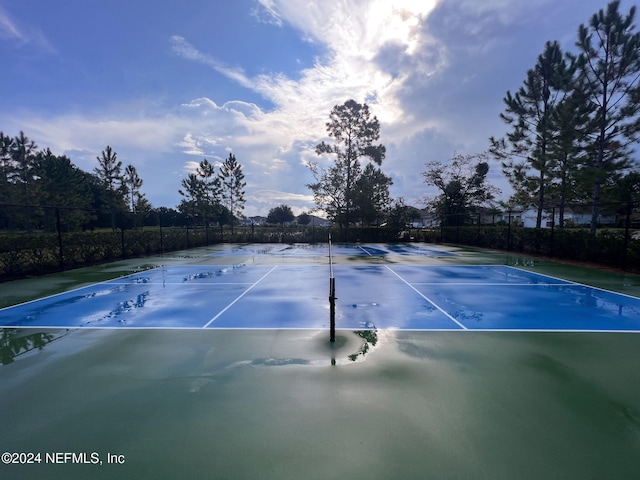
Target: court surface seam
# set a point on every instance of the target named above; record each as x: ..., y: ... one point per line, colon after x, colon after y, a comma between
x: 238, y: 298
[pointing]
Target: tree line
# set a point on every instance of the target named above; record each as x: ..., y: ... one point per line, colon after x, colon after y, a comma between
x: 36, y: 185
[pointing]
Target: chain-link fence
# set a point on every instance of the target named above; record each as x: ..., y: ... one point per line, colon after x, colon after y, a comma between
x: 39, y: 239
x: 59, y: 238
x: 562, y: 233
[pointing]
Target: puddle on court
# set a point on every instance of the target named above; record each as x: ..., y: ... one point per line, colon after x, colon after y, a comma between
x: 271, y: 404
x: 349, y: 347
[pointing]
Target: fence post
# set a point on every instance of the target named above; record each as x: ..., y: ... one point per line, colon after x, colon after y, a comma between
x: 161, y: 239
x: 509, y: 233
x: 124, y: 254
x: 553, y: 225
x: 58, y: 229
x: 627, y: 226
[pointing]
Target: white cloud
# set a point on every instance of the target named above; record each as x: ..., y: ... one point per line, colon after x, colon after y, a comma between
x: 8, y: 28
x: 433, y: 71
x: 23, y: 35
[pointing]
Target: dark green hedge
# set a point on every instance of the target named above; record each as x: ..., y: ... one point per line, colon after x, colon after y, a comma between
x: 609, y: 247
x: 35, y: 254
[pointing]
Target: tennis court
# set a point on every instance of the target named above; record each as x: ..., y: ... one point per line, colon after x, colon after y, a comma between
x: 215, y: 363
x: 402, y: 297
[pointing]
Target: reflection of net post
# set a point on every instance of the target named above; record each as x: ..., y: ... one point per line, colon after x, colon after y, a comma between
x: 332, y: 309
x: 332, y: 297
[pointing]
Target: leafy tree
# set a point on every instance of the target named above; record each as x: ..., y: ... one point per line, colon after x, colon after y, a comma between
x: 400, y: 215
x: 529, y: 112
x: 164, y: 217
x: 609, y: 66
x: 354, y: 132
x: 304, y: 219
x: 280, y: 215
x: 232, y: 182
x: 371, y: 197
x: 463, y: 186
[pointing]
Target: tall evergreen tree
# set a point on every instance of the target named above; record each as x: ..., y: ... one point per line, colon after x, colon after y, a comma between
x: 23, y: 152
x: 354, y: 131
x: 109, y: 173
x: 202, y: 193
x: 133, y: 183
x: 64, y: 186
x: 529, y: 113
x: 7, y: 167
x: 193, y: 191
x: 232, y: 183
x: 609, y: 62
x: 571, y: 125
x: 7, y: 170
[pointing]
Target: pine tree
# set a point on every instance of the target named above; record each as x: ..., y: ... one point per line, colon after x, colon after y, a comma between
x: 354, y: 131
x: 109, y: 173
x: 609, y: 67
x: 529, y: 112
x: 232, y: 184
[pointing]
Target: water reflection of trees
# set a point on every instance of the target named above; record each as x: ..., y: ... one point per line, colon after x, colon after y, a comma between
x: 370, y: 339
x: 14, y: 342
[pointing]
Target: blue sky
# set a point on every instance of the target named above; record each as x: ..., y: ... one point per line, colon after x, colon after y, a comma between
x: 169, y: 83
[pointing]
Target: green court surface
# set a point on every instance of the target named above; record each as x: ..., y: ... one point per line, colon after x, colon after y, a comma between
x: 285, y: 404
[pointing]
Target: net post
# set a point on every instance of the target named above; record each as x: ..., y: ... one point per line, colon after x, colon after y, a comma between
x: 332, y: 297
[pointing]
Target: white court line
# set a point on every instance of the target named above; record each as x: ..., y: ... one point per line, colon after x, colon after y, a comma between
x: 480, y: 284
x: 186, y: 284
x: 238, y: 298
x: 572, y: 282
x: 426, y: 298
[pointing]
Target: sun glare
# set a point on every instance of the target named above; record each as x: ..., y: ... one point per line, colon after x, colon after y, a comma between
x: 397, y: 21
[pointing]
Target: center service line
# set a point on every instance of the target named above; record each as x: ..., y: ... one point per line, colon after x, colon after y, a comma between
x: 426, y: 298
x: 238, y: 298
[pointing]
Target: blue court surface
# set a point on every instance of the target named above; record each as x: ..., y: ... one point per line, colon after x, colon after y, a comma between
x: 399, y: 297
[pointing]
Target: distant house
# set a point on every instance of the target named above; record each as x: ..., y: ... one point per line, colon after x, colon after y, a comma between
x: 256, y: 220
x: 426, y: 219
x: 315, y: 221
x: 572, y: 216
